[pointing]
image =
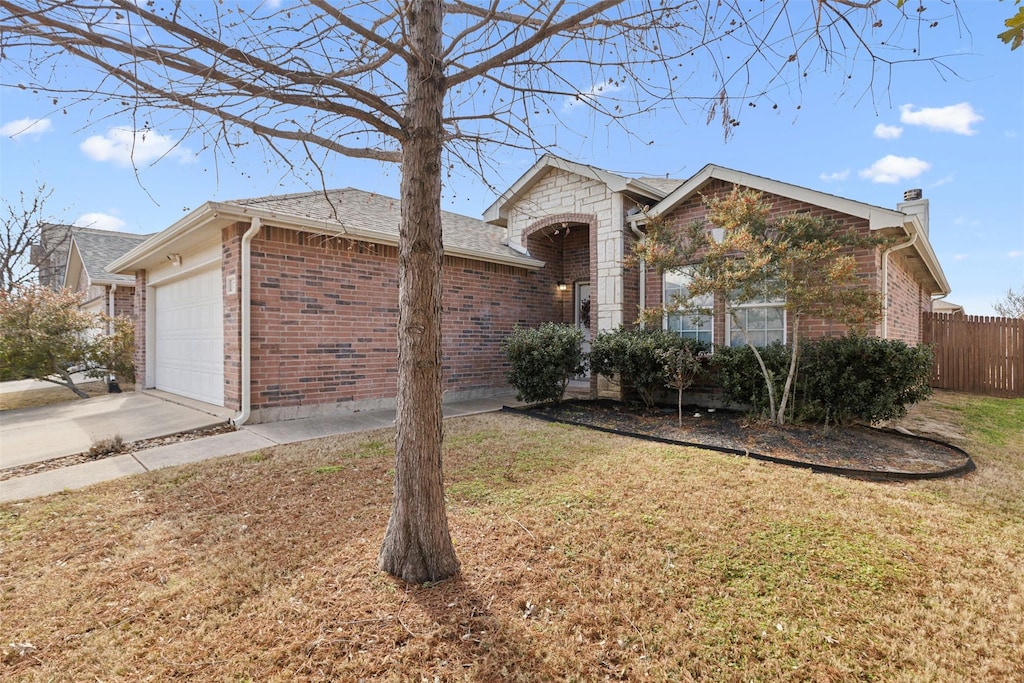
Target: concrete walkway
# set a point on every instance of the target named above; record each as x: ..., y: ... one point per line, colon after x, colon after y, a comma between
x: 249, y: 438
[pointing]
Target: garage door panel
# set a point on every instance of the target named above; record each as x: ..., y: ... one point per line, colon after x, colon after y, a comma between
x: 190, y: 337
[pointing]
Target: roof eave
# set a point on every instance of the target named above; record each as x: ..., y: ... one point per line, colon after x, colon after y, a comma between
x: 229, y: 213
x: 923, y: 246
x: 135, y: 258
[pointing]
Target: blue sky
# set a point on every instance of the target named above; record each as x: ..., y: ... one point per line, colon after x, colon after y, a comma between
x: 958, y: 134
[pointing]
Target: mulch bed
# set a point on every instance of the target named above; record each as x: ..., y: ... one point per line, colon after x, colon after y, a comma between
x: 856, y: 451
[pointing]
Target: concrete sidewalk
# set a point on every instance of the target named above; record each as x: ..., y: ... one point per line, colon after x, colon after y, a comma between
x: 249, y: 438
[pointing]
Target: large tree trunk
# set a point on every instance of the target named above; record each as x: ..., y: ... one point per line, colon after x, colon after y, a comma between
x: 417, y: 545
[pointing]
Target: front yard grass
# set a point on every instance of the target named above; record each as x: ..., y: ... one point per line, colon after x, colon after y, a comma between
x: 585, y: 556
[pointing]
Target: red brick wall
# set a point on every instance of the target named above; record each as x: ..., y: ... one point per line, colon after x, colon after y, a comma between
x: 231, y: 267
x: 139, y: 305
x: 907, y: 299
x: 324, y: 315
x: 124, y: 300
x: 868, y: 260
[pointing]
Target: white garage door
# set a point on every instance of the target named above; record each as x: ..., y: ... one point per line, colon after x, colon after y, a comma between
x: 190, y: 337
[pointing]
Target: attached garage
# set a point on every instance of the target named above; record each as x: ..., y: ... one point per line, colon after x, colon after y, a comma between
x: 189, y: 336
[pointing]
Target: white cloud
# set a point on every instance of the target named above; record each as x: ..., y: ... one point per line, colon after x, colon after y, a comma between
x: 1015, y: 254
x: 956, y: 118
x: 838, y: 175
x: 887, y: 132
x: 892, y: 169
x: 595, y: 91
x: 123, y: 146
x: 26, y: 127
x: 100, y: 221
x: 961, y: 257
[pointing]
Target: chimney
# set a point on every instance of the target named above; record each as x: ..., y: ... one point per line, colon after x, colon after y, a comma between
x: 914, y: 203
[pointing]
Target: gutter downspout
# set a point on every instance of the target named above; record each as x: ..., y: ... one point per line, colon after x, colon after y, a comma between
x: 110, y: 308
x: 885, y: 279
x: 243, y: 415
x: 110, y: 323
x: 642, y: 236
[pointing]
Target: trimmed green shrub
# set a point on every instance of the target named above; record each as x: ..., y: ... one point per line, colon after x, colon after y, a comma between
x: 544, y: 360
x: 740, y: 376
x: 635, y: 358
x: 862, y: 379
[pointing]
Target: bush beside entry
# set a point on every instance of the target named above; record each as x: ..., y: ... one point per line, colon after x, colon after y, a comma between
x: 544, y: 360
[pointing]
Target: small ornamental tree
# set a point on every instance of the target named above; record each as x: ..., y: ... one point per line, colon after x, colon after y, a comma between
x: 45, y: 335
x: 804, y: 261
x: 681, y: 365
x: 543, y: 361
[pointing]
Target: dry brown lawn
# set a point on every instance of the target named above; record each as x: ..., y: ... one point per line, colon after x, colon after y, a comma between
x: 50, y: 395
x: 585, y: 557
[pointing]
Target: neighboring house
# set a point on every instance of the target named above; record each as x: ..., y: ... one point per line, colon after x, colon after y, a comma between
x: 943, y: 306
x: 314, y: 278
x: 50, y: 256
x: 90, y: 250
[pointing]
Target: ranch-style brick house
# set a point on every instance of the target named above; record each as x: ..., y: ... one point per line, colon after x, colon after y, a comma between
x: 286, y: 306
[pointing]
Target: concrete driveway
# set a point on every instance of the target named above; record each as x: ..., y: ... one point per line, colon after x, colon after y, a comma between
x: 35, y: 434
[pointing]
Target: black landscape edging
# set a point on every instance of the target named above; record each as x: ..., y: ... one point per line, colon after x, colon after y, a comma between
x: 888, y: 475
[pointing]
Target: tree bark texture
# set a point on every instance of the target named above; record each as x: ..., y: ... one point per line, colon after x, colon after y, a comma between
x: 417, y: 545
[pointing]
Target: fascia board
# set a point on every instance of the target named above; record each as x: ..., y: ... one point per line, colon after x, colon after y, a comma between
x: 72, y: 250
x: 133, y: 260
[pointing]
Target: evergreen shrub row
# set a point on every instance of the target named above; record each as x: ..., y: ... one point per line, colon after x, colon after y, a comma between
x: 840, y: 380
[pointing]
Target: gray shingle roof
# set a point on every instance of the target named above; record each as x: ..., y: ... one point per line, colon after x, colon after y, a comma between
x: 367, y: 210
x: 666, y: 185
x: 100, y: 247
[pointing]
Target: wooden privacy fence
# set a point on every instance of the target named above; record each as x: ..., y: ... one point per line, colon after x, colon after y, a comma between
x: 976, y: 354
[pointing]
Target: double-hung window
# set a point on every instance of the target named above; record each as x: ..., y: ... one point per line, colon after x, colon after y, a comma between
x: 694, y: 320
x: 763, y: 318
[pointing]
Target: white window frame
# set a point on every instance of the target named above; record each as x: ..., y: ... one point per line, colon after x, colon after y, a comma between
x: 704, y: 330
x: 762, y: 303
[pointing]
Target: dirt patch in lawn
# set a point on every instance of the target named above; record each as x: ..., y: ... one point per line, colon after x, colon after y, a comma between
x: 856, y: 450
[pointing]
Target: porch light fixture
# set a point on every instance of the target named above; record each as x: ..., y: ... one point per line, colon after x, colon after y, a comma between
x: 562, y: 287
x: 175, y: 259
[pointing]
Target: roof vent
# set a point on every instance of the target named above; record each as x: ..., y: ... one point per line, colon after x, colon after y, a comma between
x: 912, y: 195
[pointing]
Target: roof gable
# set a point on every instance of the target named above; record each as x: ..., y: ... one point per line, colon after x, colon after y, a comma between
x: 91, y: 250
x: 878, y: 217
x: 497, y: 213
